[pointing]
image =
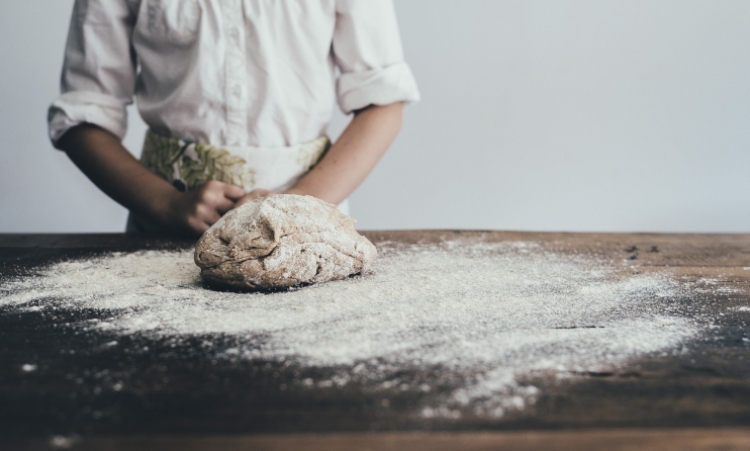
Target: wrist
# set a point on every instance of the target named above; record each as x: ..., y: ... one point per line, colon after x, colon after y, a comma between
x: 162, y: 206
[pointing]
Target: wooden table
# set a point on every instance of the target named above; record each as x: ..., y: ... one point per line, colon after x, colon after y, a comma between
x: 700, y: 401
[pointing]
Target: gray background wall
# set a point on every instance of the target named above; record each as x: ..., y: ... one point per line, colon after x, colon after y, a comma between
x: 629, y: 115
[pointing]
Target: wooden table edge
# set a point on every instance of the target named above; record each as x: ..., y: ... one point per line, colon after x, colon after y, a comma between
x: 694, y: 439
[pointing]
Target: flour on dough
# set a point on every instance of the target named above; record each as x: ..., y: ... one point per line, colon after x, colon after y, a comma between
x: 281, y: 241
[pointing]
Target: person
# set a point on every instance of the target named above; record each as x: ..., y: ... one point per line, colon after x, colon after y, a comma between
x: 237, y: 96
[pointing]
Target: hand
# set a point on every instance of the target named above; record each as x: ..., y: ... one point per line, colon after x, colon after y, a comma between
x: 252, y: 195
x: 199, y: 209
x: 349, y: 161
x: 258, y: 193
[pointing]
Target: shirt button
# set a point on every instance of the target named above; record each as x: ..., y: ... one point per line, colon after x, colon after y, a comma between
x: 234, y: 33
x: 237, y: 91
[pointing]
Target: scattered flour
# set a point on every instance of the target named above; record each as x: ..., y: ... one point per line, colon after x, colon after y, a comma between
x: 487, y: 316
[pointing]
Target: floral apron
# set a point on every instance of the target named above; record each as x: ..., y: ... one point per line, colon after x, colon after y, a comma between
x: 188, y: 165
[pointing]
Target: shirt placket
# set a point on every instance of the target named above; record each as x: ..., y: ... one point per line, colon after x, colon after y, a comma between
x: 235, y: 81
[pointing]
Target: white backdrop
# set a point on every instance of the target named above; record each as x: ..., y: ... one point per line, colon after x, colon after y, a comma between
x: 629, y: 115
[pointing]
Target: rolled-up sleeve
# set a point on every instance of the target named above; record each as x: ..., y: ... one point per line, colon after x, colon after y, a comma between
x: 99, y: 71
x: 367, y: 49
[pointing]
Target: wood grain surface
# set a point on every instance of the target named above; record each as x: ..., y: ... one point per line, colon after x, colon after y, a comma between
x: 586, y: 440
x: 698, y: 400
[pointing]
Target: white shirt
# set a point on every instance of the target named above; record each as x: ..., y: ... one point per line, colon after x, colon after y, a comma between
x: 229, y: 72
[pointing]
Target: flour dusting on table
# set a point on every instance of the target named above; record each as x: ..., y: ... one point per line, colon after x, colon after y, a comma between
x: 484, y: 317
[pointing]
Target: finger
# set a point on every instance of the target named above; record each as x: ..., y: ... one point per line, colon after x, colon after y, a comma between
x: 258, y: 193
x: 198, y: 226
x: 223, y: 205
x: 233, y: 192
x: 211, y: 218
x: 242, y: 201
x: 212, y: 195
x: 207, y: 214
x: 252, y: 195
x: 203, y: 227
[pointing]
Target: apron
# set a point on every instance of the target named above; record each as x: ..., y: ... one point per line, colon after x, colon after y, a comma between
x: 188, y: 165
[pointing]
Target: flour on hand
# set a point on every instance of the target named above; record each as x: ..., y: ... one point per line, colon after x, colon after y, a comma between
x: 281, y: 241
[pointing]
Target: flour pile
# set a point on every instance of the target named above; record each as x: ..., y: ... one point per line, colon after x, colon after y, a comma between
x: 488, y: 316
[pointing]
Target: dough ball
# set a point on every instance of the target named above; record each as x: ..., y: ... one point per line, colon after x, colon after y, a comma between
x: 281, y: 241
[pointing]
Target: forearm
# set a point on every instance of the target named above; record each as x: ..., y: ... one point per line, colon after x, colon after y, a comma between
x: 105, y: 161
x: 351, y: 159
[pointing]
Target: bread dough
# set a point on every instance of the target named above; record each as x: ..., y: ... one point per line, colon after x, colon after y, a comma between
x: 282, y: 241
